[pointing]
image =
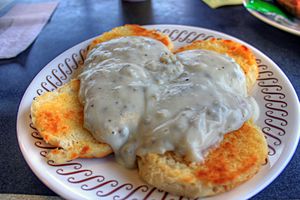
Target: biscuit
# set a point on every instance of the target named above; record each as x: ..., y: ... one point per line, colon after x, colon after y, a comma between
x: 235, y: 160
x: 131, y: 30
x: 58, y: 116
x: 240, y: 53
x: 238, y: 158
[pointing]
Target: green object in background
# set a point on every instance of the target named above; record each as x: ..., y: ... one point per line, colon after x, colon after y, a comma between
x: 264, y: 7
x: 219, y: 3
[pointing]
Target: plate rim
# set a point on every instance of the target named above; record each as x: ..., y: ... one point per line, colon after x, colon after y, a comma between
x: 292, y: 92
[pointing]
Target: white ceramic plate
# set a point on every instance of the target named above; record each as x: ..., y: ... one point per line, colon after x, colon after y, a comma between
x: 105, y: 179
x: 291, y: 27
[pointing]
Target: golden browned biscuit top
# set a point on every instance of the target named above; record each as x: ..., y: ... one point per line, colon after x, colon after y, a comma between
x: 58, y: 116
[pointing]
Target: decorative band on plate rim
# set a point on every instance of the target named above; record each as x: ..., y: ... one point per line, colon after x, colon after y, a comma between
x: 273, y: 128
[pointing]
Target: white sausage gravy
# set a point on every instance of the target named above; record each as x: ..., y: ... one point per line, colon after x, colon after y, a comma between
x: 140, y: 98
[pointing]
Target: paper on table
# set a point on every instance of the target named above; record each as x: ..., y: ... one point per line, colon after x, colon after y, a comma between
x: 219, y: 3
x: 21, y: 25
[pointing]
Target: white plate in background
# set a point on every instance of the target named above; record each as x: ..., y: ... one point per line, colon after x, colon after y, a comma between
x: 291, y: 27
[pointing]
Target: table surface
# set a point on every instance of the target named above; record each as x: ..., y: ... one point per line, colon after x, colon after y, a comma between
x: 76, y: 21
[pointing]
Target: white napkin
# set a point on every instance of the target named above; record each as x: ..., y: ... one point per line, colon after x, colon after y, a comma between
x: 21, y: 25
